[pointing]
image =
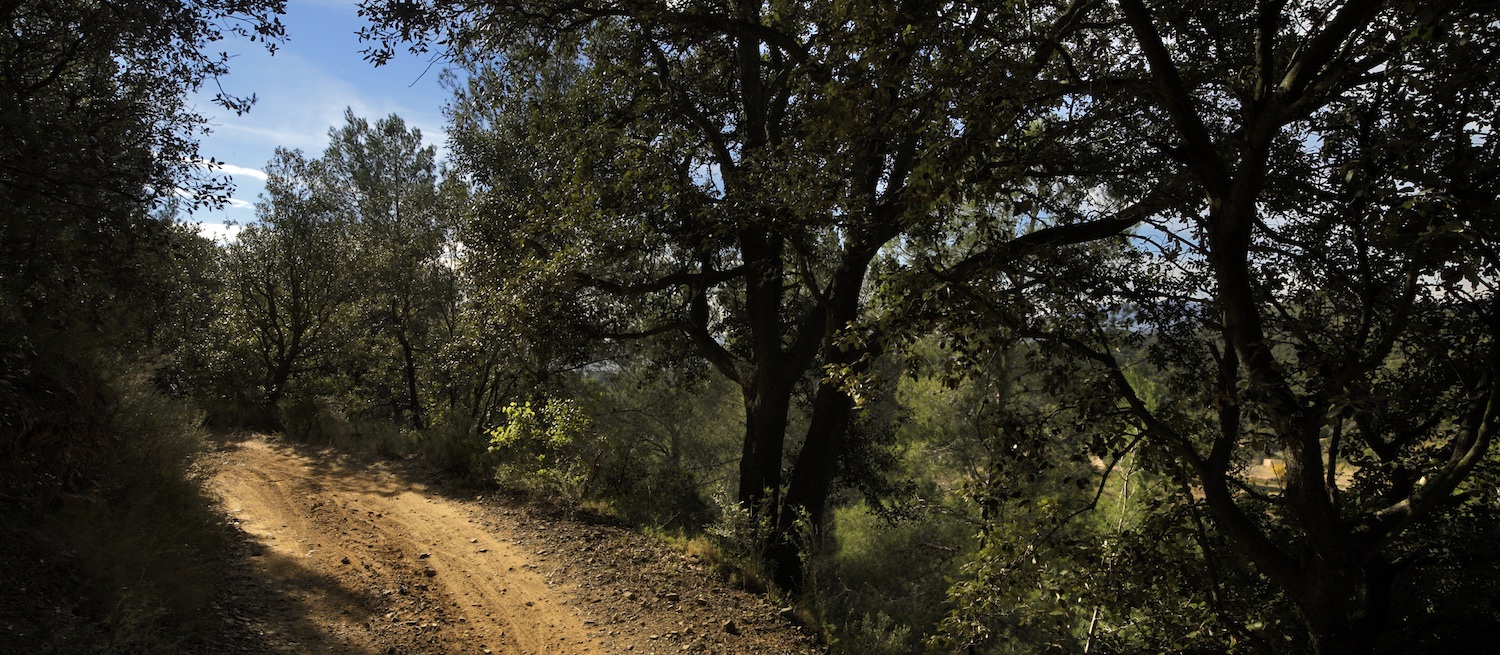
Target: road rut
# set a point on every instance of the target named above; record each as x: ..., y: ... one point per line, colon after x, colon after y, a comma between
x: 369, y: 541
x: 348, y: 558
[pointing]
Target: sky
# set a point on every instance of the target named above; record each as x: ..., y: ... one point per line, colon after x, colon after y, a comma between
x: 303, y: 91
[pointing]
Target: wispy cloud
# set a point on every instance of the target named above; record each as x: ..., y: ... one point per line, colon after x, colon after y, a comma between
x: 241, y: 170
x: 300, y: 100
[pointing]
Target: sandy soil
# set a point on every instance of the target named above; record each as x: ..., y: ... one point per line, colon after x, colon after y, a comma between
x: 341, y: 557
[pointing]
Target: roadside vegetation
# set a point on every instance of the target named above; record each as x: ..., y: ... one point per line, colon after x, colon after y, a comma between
x: 962, y: 327
x: 107, y: 542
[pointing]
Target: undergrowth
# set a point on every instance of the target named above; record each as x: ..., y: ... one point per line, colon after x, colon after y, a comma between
x: 125, y: 561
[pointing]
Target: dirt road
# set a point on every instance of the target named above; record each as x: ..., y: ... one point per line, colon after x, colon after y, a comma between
x: 359, y: 559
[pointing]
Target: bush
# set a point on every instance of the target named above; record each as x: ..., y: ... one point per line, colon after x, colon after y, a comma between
x: 458, y: 450
x: 314, y: 421
x: 549, y: 448
x: 743, y: 538
x: 659, y: 495
x: 883, y: 583
x: 876, y: 635
x: 54, y: 435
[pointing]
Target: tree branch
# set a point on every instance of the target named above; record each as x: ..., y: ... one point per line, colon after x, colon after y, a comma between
x: 1310, y: 61
x: 1177, y: 100
x: 704, y: 279
x: 1058, y: 236
x: 696, y: 329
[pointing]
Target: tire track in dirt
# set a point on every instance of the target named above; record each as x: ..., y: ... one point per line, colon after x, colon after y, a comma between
x: 376, y: 564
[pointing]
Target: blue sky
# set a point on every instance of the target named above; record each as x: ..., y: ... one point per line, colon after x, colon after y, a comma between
x: 302, y: 92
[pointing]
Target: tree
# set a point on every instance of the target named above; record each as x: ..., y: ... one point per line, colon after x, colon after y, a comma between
x: 289, y: 275
x: 727, y: 174
x: 94, y: 133
x: 386, y: 183
x: 1322, y: 292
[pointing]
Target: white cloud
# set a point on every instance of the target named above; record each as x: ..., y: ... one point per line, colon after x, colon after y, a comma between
x: 219, y: 232
x: 241, y: 170
x: 241, y: 204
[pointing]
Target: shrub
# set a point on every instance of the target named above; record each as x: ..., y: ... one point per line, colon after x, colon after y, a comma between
x: 552, y: 447
x: 742, y: 539
x: 54, y: 433
x: 884, y: 582
x: 657, y: 494
x: 458, y: 449
x: 316, y: 421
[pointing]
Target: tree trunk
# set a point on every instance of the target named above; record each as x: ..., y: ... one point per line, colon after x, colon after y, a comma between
x: 1344, y: 607
x: 817, y: 464
x: 276, y: 381
x: 812, y: 479
x: 414, y: 402
x: 767, y: 402
x: 768, y: 384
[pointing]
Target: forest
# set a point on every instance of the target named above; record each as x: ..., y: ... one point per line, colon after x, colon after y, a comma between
x: 1062, y: 326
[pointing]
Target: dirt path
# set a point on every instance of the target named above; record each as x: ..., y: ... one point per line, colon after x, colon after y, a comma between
x: 357, y: 559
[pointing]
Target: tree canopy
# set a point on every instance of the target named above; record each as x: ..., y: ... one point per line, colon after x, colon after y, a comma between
x: 1142, y: 326
x: 729, y: 176
x: 96, y: 137
x: 1304, y: 185
x: 1320, y: 292
x: 95, y: 129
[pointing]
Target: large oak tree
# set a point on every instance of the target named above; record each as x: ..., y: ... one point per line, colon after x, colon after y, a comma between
x: 728, y: 173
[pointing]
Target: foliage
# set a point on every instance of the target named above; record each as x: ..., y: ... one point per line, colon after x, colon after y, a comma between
x: 98, y: 154
x: 1304, y: 296
x: 881, y: 581
x: 743, y: 536
x: 552, y: 447
x: 726, y: 177
x: 671, y: 441
x: 289, y: 278
x: 94, y: 131
x: 95, y: 135
x: 983, y: 316
x: 156, y: 582
x: 132, y: 561
x: 385, y: 184
x: 341, y: 287
x: 54, y: 419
